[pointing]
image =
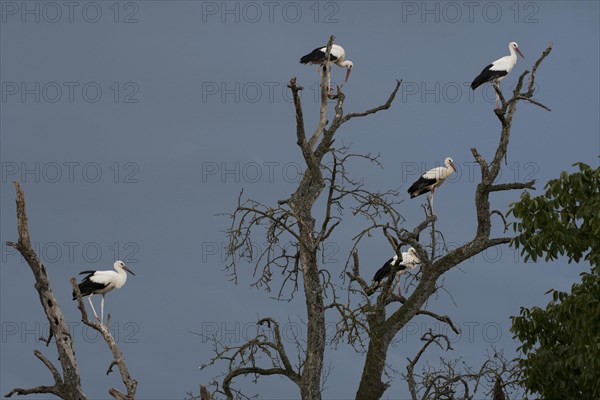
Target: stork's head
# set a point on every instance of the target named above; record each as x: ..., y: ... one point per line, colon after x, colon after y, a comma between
x: 514, y: 46
x: 121, y: 265
x: 348, y: 65
x: 412, y: 252
x: 450, y: 163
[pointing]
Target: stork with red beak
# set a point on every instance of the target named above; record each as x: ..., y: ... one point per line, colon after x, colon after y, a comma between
x: 337, y: 56
x: 498, y: 70
x: 102, y: 282
x: 431, y: 180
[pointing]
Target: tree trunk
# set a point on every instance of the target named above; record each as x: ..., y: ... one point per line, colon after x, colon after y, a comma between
x: 302, y: 202
x: 310, y: 387
x: 382, y: 334
x: 371, y: 387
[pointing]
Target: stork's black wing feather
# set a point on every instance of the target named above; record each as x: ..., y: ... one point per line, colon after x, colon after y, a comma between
x: 316, y: 56
x: 87, y: 286
x: 486, y: 75
x: 420, y: 186
x: 384, y: 271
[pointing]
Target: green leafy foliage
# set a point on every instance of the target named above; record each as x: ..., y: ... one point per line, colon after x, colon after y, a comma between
x: 563, y: 221
x: 561, y: 343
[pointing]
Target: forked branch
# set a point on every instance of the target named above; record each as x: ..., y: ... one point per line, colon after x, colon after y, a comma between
x: 68, y: 386
x: 119, y: 359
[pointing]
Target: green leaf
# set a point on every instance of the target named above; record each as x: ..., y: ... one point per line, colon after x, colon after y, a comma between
x: 561, y: 343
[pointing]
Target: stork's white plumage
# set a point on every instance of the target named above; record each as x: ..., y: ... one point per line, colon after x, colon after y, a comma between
x: 102, y: 282
x: 410, y: 259
x: 337, y: 56
x: 498, y: 70
x: 432, y: 179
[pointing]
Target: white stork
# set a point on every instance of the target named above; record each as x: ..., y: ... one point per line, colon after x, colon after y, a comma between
x: 431, y: 179
x: 498, y: 70
x: 337, y: 56
x: 410, y: 259
x: 102, y: 282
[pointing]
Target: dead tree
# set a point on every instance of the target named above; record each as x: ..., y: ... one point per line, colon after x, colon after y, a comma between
x: 381, y: 328
x: 119, y: 359
x: 67, y: 386
x: 292, y: 222
x: 295, y: 237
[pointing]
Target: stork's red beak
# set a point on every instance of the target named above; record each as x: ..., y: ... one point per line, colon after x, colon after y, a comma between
x: 348, y: 73
x: 521, y: 54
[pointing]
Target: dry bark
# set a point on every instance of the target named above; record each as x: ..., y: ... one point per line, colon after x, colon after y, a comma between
x: 292, y: 221
x: 292, y: 217
x: 67, y: 386
x: 383, y: 329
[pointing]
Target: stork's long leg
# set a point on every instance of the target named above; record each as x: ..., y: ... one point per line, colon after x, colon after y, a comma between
x: 329, y: 80
x: 430, y: 197
x: 102, y: 309
x: 497, y: 84
x: 396, y: 282
x: 92, y: 304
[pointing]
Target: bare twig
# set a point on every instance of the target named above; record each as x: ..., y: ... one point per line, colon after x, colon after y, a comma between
x: 503, y: 219
x: 244, y: 359
x: 441, y: 318
x: 428, y: 338
x: 456, y: 380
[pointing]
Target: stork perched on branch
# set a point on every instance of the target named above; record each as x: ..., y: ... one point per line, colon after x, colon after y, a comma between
x: 337, y: 56
x: 102, y: 282
x: 498, y: 70
x: 409, y: 260
x: 431, y: 180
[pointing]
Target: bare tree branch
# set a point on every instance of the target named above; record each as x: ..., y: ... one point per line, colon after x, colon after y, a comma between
x: 36, y: 390
x: 428, y: 338
x: 441, y: 318
x: 243, y: 360
x: 118, y: 395
x: 374, y: 110
x: 323, y: 105
x: 340, y: 118
x: 512, y: 186
x: 535, y: 67
x: 55, y: 389
x: 119, y: 359
x: 204, y: 393
x: 50, y: 366
x: 453, y: 379
x: 69, y: 386
x: 503, y: 218
x: 534, y: 102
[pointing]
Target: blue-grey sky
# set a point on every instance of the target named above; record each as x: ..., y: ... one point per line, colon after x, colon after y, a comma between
x: 131, y: 124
